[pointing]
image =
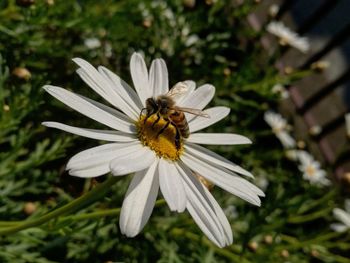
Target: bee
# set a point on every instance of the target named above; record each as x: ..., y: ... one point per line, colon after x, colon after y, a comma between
x: 164, y: 106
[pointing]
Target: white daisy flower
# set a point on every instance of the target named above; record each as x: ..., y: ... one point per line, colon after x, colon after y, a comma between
x: 343, y: 216
x: 311, y: 169
x: 280, y: 128
x: 146, y: 144
x: 273, y: 10
x: 288, y: 37
x: 292, y: 155
x: 281, y: 90
x: 92, y: 43
x: 262, y: 182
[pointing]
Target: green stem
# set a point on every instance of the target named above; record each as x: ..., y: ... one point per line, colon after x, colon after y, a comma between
x: 277, y: 79
x: 316, y: 240
x: 101, y: 213
x: 84, y: 200
x: 10, y: 223
x: 308, y: 206
x: 338, y: 258
x: 309, y: 217
x: 339, y: 245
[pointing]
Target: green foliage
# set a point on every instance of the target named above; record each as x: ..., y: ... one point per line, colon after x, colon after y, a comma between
x: 207, y: 43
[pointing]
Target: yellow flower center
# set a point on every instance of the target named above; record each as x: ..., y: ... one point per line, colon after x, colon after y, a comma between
x: 310, y: 170
x: 162, y: 141
x: 283, y: 42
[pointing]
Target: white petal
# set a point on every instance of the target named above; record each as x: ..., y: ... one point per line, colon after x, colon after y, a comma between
x: 139, y: 201
x: 93, y: 78
x: 99, y: 154
x: 342, y: 216
x: 191, y: 85
x: 158, y: 77
x: 338, y: 227
x: 305, y: 158
x: 108, y: 109
x: 218, y: 138
x: 113, y: 136
x: 139, y: 75
x: 171, y: 186
x: 85, y: 106
x: 216, y: 114
x: 225, y: 179
x: 226, y: 227
x: 214, y: 159
x: 347, y: 201
x: 286, y: 139
x: 91, y: 171
x: 101, y: 85
x: 95, y: 161
x: 132, y: 159
x: 111, y: 96
x: 221, y: 216
x: 198, y: 99
x: 200, y: 208
x: 123, y: 89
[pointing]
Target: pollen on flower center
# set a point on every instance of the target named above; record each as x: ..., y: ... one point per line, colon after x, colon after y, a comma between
x: 310, y: 170
x: 150, y: 133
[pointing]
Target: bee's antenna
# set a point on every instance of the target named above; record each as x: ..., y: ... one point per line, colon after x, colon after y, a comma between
x: 143, y: 109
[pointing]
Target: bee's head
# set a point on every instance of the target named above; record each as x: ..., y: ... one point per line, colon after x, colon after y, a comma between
x: 151, y: 106
x: 164, y: 103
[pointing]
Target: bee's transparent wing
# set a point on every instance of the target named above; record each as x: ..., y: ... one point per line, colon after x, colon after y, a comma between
x: 194, y: 112
x: 178, y: 90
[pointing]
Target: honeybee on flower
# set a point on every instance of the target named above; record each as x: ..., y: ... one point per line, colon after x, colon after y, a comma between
x: 170, y: 158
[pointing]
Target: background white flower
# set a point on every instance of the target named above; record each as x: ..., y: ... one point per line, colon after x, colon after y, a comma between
x: 343, y: 216
x: 273, y: 10
x: 160, y: 165
x: 281, y: 90
x: 311, y: 169
x: 288, y: 37
x: 92, y: 43
x: 280, y: 128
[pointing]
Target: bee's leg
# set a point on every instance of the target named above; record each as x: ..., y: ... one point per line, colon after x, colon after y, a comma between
x: 177, y: 138
x: 163, y: 129
x: 147, y: 116
x: 156, y: 121
x: 143, y: 109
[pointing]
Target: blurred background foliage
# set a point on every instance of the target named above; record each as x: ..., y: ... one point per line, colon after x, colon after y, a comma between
x: 206, y: 41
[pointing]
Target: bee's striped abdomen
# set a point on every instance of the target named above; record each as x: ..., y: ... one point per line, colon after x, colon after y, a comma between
x: 179, y: 119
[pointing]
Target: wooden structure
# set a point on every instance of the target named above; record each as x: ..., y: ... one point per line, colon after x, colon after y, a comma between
x: 317, y: 103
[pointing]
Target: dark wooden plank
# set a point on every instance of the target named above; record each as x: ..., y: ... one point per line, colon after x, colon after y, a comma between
x: 326, y: 91
x: 285, y: 7
x: 300, y: 129
x: 329, y: 32
x: 336, y: 40
x: 334, y: 143
x: 304, y: 88
x: 307, y: 20
x: 319, y: 99
x: 325, y: 111
x: 342, y: 173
